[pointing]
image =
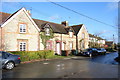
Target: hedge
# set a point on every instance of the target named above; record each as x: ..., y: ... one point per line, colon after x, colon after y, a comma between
x: 110, y: 49
x: 33, y: 55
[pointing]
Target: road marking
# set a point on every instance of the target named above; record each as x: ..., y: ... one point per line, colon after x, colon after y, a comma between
x: 45, y: 63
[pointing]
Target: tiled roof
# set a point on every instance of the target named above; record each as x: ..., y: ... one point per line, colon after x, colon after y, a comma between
x: 109, y: 42
x: 99, y: 38
x: 67, y: 29
x: 90, y: 35
x: 5, y: 16
x: 76, y: 28
x: 57, y: 28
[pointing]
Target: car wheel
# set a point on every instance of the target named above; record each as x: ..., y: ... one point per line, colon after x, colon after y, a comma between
x: 9, y: 65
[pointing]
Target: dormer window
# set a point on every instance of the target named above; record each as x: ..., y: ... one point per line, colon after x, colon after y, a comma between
x: 47, y: 31
x: 22, y: 28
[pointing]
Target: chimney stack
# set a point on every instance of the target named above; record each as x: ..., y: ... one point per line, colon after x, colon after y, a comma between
x: 65, y: 23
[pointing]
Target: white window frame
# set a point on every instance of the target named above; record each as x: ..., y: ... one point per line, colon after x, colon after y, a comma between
x: 71, y: 34
x: 22, y: 28
x: 47, y: 31
x: 71, y: 45
x: 83, y: 35
x: 48, y: 45
x: 22, y: 46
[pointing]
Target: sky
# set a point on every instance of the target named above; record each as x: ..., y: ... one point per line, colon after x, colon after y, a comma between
x: 106, y: 12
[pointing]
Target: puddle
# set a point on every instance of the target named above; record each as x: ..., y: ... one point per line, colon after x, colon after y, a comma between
x: 45, y: 63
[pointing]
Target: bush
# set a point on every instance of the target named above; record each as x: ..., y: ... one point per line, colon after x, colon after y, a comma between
x: 33, y: 55
x: 110, y: 49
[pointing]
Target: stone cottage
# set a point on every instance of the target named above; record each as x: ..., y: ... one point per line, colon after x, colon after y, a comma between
x: 20, y: 32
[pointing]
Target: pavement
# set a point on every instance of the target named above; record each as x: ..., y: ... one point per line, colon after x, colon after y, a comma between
x: 75, y: 67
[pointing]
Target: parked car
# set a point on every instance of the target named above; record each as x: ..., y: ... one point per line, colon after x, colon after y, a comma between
x: 101, y: 51
x: 90, y: 52
x: 9, y: 61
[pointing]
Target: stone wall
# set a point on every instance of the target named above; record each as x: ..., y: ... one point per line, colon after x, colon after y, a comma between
x: 12, y: 35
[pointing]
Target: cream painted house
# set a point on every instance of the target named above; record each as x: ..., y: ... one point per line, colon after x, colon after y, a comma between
x: 20, y: 32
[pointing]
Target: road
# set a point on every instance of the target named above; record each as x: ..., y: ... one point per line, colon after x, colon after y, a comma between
x: 75, y: 67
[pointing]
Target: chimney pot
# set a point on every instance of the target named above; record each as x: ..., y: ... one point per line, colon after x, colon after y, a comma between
x: 65, y: 23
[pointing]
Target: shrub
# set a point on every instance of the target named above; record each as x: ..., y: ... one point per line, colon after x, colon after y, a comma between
x: 33, y: 55
x: 110, y: 49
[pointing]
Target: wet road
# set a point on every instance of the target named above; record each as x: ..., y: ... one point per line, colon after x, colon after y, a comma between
x: 75, y: 67
x: 107, y: 59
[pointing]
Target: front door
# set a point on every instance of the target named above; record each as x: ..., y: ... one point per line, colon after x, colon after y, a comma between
x: 71, y: 45
x: 63, y: 46
x: 58, y: 48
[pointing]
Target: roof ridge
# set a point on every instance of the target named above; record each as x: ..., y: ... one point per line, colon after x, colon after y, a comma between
x: 5, y: 13
x: 48, y: 21
x: 32, y: 18
x: 10, y: 15
x: 76, y: 25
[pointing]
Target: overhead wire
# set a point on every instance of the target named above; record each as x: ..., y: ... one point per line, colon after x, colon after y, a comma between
x: 80, y: 14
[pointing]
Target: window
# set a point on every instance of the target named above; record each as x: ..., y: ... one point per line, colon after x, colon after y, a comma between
x: 22, y: 46
x: 71, y: 45
x: 22, y: 28
x: 83, y: 35
x: 49, y: 45
x: 70, y: 33
x: 82, y: 44
x: 47, y: 31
